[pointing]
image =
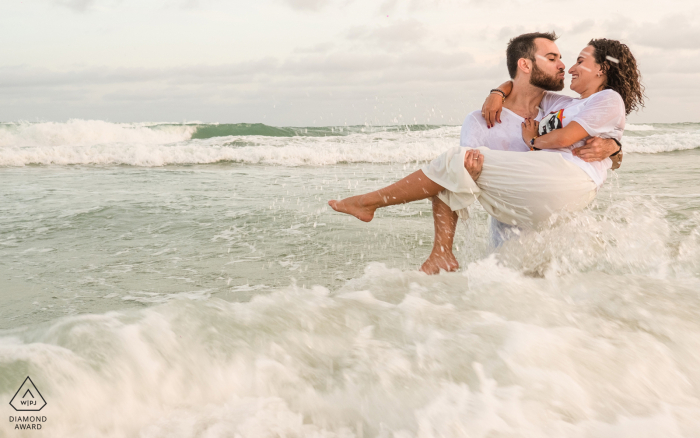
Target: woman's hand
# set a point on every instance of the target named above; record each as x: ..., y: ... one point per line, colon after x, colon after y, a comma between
x: 530, y: 128
x: 491, y: 111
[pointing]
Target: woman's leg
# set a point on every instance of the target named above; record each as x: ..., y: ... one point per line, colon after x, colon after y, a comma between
x: 442, y: 258
x: 414, y: 187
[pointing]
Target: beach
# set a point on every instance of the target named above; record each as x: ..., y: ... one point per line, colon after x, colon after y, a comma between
x: 189, y: 280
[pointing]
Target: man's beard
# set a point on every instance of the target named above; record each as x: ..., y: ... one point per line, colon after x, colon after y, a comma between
x: 540, y: 79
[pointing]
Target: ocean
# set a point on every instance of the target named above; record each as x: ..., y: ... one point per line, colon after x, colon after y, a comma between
x: 189, y: 280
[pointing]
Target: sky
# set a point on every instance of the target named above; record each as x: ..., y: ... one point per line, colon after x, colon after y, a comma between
x: 316, y: 62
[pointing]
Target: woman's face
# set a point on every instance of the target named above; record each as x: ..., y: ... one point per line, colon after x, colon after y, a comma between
x: 586, y: 75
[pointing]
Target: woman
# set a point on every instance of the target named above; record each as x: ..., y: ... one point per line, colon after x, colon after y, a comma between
x: 526, y: 189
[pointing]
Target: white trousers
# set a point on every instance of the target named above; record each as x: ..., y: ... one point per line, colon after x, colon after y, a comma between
x: 519, y: 188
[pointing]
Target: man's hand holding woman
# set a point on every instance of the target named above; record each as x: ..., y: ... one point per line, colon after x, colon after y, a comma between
x: 597, y: 149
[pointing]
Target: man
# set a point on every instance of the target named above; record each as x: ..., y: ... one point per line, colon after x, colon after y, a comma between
x: 535, y: 67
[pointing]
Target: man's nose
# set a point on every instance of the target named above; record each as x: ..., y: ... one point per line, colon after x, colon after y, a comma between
x: 561, y: 66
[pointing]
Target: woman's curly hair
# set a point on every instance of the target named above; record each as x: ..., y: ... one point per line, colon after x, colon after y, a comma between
x: 620, y: 67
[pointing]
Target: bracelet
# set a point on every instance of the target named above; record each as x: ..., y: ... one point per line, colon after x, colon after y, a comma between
x: 532, y: 144
x: 496, y: 90
x: 619, y: 144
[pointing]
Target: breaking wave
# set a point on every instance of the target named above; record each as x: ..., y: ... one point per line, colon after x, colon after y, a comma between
x: 493, y: 353
x: 95, y: 142
x: 89, y: 133
x: 649, y: 139
x: 631, y: 127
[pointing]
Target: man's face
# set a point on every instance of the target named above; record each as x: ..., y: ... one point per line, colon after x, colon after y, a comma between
x: 547, y: 70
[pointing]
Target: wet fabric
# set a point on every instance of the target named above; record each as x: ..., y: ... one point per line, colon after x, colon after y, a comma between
x: 517, y: 188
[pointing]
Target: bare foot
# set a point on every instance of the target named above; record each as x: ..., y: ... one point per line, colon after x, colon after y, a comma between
x: 355, y: 207
x: 436, y: 262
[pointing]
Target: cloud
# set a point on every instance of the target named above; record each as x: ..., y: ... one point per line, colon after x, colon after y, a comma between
x: 86, y: 5
x: 308, y: 69
x: 581, y: 27
x: 564, y: 30
x: 391, y: 6
x: 449, y: 48
x: 339, y: 83
x: 670, y: 32
x: 307, y: 5
x: 331, y: 89
x: 76, y: 5
x: 318, y: 48
x: 391, y: 36
x: 674, y: 32
x: 388, y: 6
x: 507, y: 32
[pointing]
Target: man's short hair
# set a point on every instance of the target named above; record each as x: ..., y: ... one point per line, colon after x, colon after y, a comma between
x: 523, y: 46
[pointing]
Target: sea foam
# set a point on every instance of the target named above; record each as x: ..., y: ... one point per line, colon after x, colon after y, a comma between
x: 661, y: 142
x: 631, y: 127
x: 154, y: 150
x: 90, y: 133
x: 493, y: 353
x: 94, y: 142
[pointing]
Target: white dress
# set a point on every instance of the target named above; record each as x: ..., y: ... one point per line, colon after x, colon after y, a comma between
x: 527, y: 188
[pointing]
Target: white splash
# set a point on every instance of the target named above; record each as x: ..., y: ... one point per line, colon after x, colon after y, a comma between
x: 90, y: 133
x: 380, y: 147
x: 392, y: 354
x: 631, y: 127
x: 103, y: 143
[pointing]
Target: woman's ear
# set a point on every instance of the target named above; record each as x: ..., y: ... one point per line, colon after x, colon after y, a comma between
x: 601, y: 72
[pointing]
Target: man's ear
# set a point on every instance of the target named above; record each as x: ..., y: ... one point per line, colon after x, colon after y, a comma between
x: 525, y: 65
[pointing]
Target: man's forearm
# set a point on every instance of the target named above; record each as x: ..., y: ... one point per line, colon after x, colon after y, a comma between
x: 597, y: 149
